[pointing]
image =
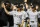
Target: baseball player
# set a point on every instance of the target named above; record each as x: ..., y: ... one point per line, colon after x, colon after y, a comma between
x: 25, y: 17
x: 39, y: 19
x: 18, y: 16
x: 37, y: 8
x: 32, y: 17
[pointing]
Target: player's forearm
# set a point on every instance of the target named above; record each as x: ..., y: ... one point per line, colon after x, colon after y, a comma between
x: 6, y: 11
x: 22, y: 21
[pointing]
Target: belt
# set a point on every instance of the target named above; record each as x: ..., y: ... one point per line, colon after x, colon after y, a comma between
x: 32, y: 21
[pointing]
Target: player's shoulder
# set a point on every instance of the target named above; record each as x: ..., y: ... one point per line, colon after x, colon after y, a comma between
x: 38, y: 11
x: 13, y: 11
x: 23, y: 12
x: 29, y: 10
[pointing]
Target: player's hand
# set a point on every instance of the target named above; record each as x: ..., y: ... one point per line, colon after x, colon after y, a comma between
x: 21, y: 25
x: 29, y: 25
x: 3, y: 6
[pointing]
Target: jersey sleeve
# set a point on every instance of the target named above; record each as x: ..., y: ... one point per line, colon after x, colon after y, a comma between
x: 39, y: 14
x: 11, y: 13
x: 24, y: 15
x: 27, y: 14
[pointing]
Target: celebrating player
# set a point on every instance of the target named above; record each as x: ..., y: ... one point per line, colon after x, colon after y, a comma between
x: 18, y: 16
x: 33, y: 16
x: 24, y: 15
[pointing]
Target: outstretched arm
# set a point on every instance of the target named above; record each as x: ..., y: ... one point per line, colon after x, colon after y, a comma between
x: 6, y: 10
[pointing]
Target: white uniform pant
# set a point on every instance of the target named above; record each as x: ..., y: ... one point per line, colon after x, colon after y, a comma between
x: 33, y: 24
x: 24, y: 25
x: 15, y: 25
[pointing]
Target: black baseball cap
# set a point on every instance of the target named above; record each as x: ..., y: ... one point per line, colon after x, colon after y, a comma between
x: 33, y: 6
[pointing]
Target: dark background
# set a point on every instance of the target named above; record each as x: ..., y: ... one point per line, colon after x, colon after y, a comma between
x: 19, y: 0
x: 22, y: 1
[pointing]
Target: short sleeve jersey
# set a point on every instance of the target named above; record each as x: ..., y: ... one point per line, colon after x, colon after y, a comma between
x: 32, y: 15
x: 18, y: 16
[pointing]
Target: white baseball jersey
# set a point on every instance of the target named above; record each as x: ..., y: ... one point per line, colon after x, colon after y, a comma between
x: 39, y: 14
x: 32, y: 15
x: 25, y: 14
x: 18, y: 16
